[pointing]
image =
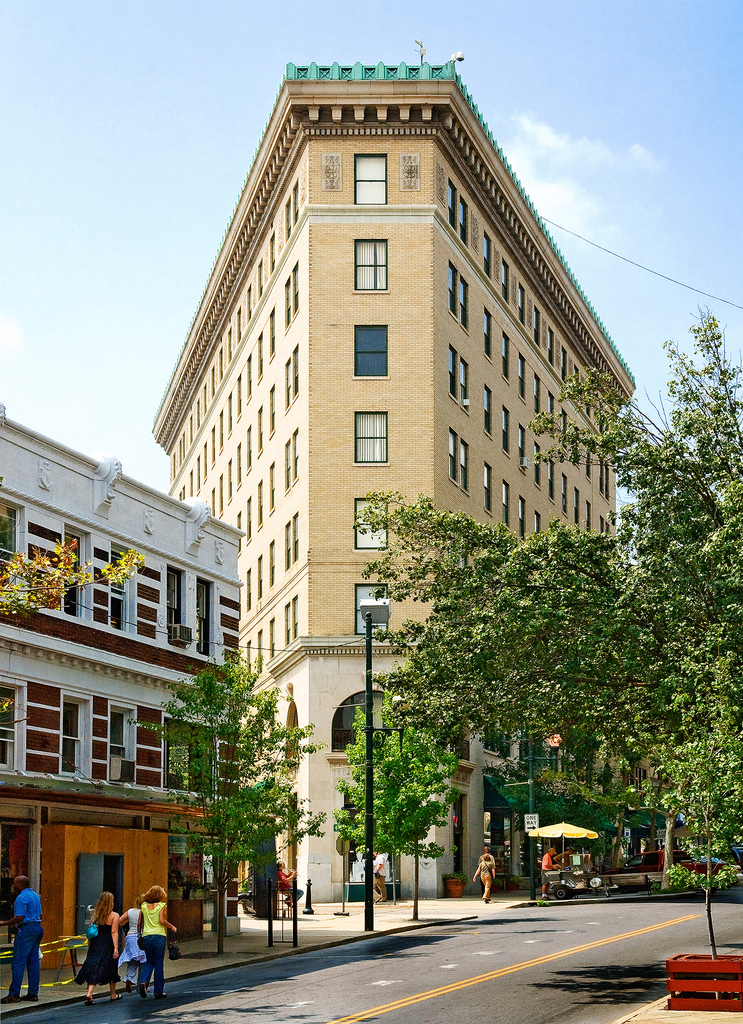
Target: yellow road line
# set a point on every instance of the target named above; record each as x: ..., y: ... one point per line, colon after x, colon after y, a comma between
x: 400, y: 1004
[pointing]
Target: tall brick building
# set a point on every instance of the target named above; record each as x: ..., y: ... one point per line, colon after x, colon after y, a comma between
x: 387, y: 311
x: 83, y: 781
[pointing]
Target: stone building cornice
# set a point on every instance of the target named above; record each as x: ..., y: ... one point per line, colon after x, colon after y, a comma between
x: 23, y: 644
x: 443, y: 104
x: 323, y: 647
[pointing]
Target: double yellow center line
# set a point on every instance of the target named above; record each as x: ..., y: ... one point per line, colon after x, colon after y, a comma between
x: 400, y: 1004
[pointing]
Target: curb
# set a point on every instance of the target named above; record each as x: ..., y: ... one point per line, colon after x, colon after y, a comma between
x: 17, y: 1011
x: 636, y: 898
x: 659, y: 1004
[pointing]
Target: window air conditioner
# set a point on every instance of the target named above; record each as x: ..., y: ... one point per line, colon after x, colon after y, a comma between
x: 465, y: 403
x: 180, y: 635
x: 524, y: 463
x: 121, y: 769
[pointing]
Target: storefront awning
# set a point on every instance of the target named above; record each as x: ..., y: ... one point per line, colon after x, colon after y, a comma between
x: 492, y: 798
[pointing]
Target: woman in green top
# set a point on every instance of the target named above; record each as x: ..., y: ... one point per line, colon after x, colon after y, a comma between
x: 153, y: 924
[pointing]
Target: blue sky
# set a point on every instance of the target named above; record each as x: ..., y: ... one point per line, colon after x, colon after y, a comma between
x: 127, y: 129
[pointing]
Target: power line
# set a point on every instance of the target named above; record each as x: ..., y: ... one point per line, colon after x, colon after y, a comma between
x: 665, y: 277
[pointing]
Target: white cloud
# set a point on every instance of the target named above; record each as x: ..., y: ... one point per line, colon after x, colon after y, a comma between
x: 11, y: 336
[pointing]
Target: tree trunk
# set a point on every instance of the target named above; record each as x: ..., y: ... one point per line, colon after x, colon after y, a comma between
x: 665, y: 882
x: 415, y: 884
x: 616, y: 850
x: 221, y: 894
x: 651, y: 840
x: 708, y: 897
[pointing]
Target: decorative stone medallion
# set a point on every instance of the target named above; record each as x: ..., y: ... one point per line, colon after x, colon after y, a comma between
x: 332, y: 172
x: 410, y: 179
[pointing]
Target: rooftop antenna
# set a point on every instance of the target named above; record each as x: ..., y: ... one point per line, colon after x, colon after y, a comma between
x: 421, y: 49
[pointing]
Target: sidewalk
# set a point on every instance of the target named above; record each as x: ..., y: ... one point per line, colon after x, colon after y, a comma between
x: 656, y: 1013
x: 321, y: 929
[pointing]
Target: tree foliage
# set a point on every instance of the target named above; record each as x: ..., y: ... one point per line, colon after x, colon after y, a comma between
x: 412, y: 791
x: 238, y: 767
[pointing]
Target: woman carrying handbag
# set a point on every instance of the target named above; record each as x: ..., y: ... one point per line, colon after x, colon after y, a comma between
x: 100, y: 967
x: 153, y: 927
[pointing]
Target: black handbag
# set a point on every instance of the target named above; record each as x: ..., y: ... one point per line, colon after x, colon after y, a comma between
x: 140, y: 940
x: 174, y: 952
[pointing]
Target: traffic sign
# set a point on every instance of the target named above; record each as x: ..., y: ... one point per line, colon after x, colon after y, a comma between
x: 531, y: 821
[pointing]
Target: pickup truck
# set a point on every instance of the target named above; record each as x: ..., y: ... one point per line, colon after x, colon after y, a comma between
x: 641, y: 871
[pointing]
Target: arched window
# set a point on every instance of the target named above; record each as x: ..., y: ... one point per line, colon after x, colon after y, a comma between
x: 345, y: 714
x: 292, y: 718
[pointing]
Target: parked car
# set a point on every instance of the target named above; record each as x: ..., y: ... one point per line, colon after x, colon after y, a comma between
x: 641, y: 871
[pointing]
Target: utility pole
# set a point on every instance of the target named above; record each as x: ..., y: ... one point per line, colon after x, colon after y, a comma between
x: 369, y: 787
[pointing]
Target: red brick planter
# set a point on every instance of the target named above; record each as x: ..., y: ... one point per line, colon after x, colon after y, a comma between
x: 697, y: 982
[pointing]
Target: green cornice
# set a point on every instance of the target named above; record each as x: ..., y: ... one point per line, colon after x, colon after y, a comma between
x: 390, y: 73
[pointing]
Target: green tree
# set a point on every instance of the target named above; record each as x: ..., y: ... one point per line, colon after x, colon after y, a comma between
x: 634, y: 638
x: 238, y: 766
x: 412, y: 792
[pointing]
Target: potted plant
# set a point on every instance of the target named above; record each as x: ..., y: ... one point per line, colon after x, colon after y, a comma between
x: 454, y: 883
x: 514, y: 883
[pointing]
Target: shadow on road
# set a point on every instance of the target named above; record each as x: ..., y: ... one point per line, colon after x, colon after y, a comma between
x: 607, y: 984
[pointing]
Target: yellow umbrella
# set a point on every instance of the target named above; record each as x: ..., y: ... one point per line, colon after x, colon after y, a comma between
x: 563, y: 829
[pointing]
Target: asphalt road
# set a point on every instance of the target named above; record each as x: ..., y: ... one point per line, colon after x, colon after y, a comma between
x: 568, y: 964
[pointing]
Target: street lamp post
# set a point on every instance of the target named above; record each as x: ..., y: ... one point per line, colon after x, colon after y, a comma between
x: 376, y: 613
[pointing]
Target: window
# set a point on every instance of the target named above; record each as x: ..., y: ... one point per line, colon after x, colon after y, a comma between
x: 239, y: 464
x: 487, y: 333
x: 249, y: 520
x: 272, y: 486
x: 260, y: 430
x: 249, y: 448
x: 551, y: 345
x: 551, y: 480
x: 214, y: 445
x: 537, y: 393
x: 506, y: 503
x: 295, y: 369
x: 550, y: 403
x: 463, y: 382
x: 249, y: 368
x: 260, y: 577
x: 250, y: 302
x: 452, y: 206
x: 287, y: 546
x: 588, y: 515
x: 198, y: 474
x: 229, y: 415
x: 452, y: 455
x: 370, y: 265
x: 343, y: 731
x: 271, y: 563
x: 537, y: 523
x: 295, y: 197
x: 452, y: 372
x: 370, y: 174
x: 239, y: 396
x: 522, y: 376
x: 601, y: 524
x: 522, y: 517
x: 463, y: 220
x: 295, y: 453
x: 295, y: 617
x: 7, y: 727
x: 260, y: 504
x: 452, y: 290
x: 588, y: 466
x: 260, y: 278
x: 288, y: 301
x: 576, y: 506
x: 288, y: 218
x: 505, y: 356
x: 537, y: 326
x: 288, y: 384
x: 118, y: 598
x: 71, y: 602
x: 487, y: 409
x: 71, y: 723
x: 214, y: 503
x: 463, y: 301
x: 537, y: 466
x: 366, y: 539
x: 606, y: 481
x: 370, y: 437
x: 504, y: 280
x: 119, y: 733
x: 272, y: 252
x: 272, y: 637
x: 486, y: 251
x: 563, y: 363
x: 272, y: 411
x: 463, y: 465
x: 522, y: 444
x: 366, y: 592
x: 521, y: 303
x: 174, y: 598
x: 260, y: 644
x: 249, y: 589
x: 272, y: 333
x: 287, y: 624
x: 505, y: 428
x: 221, y: 494
x: 487, y: 487
x: 295, y: 536
x: 370, y: 352
x: 564, y: 495
x: 221, y: 430
x: 214, y: 382
x: 221, y: 363
x: 287, y: 465
x: 239, y: 525
x: 295, y: 287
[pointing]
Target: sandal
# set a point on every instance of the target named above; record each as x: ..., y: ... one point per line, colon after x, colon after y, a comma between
x: 113, y: 999
x: 88, y: 1000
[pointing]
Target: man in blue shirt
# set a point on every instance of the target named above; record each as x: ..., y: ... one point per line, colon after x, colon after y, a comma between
x: 27, y: 918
